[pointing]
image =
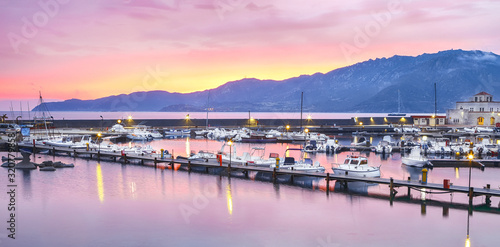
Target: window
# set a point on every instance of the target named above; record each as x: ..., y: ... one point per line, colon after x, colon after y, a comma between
x: 492, y: 121
x: 471, y: 109
x: 475, y: 99
x: 480, y: 121
x: 491, y: 109
x: 481, y: 109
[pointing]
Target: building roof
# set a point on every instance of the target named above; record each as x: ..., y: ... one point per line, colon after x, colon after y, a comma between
x: 426, y: 116
x: 483, y: 93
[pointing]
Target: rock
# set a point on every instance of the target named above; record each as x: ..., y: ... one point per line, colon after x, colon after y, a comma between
x: 26, y: 162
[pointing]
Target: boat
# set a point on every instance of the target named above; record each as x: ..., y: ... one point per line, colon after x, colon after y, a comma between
x: 304, y: 164
x: 360, y: 141
x: 415, y: 159
x: 177, y: 132
x: 383, y: 147
x: 259, y: 138
x: 356, y: 166
x: 140, y: 133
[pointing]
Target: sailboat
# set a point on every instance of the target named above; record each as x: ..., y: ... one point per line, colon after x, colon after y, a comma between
x: 205, y: 131
x: 398, y: 114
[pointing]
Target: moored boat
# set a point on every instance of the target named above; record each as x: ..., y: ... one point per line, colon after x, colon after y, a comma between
x: 356, y: 166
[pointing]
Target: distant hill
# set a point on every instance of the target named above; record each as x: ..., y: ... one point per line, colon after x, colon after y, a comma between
x: 370, y: 86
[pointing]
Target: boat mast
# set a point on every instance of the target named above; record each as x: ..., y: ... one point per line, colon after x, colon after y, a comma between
x: 301, y: 104
x: 435, y: 105
x: 208, y: 107
x: 399, y: 102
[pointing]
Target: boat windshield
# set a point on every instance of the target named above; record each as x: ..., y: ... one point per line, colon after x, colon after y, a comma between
x: 346, y: 161
x: 364, y: 162
x: 354, y: 162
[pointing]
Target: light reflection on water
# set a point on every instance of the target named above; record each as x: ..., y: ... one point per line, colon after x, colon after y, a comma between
x: 139, y: 206
x: 100, y: 184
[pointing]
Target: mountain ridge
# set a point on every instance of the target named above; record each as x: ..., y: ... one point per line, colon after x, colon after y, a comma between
x: 369, y: 86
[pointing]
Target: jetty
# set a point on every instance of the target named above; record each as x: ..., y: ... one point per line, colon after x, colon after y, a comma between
x: 273, y: 173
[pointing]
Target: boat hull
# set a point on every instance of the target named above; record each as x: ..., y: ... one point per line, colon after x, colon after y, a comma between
x: 357, y: 173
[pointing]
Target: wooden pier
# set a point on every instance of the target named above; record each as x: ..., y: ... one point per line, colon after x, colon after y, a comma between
x: 274, y: 173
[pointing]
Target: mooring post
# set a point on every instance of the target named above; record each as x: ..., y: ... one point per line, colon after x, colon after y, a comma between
x: 274, y: 174
x: 409, y: 190
x: 34, y: 146
x: 189, y: 166
x: 471, y: 195
x: 391, y: 186
x: 327, y: 183
x: 74, y: 153
x: 156, y: 162
x: 53, y: 151
x: 488, y: 198
x: 229, y: 170
x: 125, y: 158
x: 142, y: 162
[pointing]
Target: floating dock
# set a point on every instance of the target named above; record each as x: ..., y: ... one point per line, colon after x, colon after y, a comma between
x: 275, y: 173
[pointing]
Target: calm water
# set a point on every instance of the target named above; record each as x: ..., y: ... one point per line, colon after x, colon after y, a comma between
x: 110, y: 204
x: 193, y: 115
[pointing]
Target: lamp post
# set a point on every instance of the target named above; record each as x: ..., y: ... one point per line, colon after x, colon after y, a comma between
x: 102, y: 120
x: 467, y: 240
x: 187, y: 120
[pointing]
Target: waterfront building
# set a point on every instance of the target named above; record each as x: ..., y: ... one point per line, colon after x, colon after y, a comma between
x: 479, y: 110
x: 428, y: 120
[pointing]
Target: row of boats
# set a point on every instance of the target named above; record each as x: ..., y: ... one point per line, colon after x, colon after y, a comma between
x: 353, y: 165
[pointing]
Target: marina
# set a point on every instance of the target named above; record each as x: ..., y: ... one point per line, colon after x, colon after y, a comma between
x: 194, y: 193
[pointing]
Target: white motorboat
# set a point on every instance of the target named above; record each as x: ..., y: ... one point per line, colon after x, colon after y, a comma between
x: 140, y: 133
x: 415, y: 159
x: 360, y: 141
x: 304, y: 164
x: 356, y: 166
x: 383, y: 147
x: 203, y: 156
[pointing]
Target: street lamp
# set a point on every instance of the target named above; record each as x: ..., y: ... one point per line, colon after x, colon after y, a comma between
x: 102, y: 119
x: 187, y: 120
x: 470, y: 157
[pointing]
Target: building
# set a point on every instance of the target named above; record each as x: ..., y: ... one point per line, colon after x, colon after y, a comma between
x: 480, y: 110
x: 428, y: 120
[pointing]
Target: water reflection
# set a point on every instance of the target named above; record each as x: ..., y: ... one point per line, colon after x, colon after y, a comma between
x: 188, y: 147
x: 229, y: 198
x: 26, y: 183
x: 100, y: 184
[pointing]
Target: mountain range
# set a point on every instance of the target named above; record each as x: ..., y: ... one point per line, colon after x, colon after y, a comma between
x: 398, y: 83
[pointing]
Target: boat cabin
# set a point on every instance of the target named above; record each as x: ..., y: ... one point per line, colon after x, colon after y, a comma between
x: 355, y: 160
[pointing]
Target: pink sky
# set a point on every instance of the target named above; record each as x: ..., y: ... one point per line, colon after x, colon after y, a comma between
x: 95, y: 48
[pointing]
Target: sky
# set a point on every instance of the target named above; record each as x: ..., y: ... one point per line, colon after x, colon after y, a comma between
x: 88, y: 49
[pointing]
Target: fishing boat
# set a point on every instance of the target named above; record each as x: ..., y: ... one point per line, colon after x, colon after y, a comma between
x: 356, y: 166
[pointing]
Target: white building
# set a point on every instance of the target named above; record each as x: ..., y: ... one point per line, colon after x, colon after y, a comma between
x: 480, y: 110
